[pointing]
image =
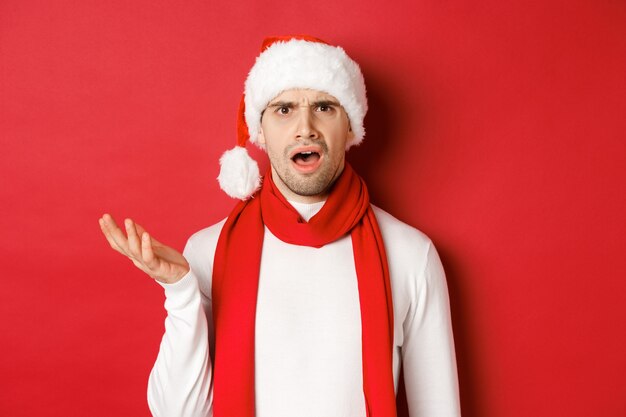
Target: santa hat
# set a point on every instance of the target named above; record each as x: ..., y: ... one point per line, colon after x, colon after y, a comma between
x: 285, y: 62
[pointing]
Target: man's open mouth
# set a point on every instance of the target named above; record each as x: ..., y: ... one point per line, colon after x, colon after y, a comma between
x: 306, y: 158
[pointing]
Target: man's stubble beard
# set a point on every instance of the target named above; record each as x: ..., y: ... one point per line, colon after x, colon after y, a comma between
x: 308, y: 185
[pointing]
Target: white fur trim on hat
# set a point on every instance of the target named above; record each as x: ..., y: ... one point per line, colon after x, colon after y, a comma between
x: 239, y: 174
x: 304, y: 64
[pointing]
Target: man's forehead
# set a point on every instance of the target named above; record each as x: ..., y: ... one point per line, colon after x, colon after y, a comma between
x: 298, y: 94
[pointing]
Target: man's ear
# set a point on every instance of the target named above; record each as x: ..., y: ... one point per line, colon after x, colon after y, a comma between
x: 350, y: 135
x: 261, y: 137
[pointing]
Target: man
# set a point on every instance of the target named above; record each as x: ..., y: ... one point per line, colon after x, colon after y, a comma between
x: 307, y: 299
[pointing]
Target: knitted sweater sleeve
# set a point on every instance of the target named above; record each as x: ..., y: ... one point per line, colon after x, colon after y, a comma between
x: 180, y: 380
x: 428, y: 356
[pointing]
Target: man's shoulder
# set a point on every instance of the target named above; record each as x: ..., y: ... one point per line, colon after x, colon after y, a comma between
x: 205, y: 240
x: 199, y: 252
x: 398, y: 234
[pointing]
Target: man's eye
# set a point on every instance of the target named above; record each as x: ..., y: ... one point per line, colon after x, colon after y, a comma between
x: 283, y: 110
x: 325, y: 108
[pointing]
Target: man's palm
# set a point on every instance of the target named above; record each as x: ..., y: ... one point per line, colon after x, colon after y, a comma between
x: 159, y: 261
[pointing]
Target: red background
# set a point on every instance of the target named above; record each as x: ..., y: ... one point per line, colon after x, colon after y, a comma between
x: 497, y: 128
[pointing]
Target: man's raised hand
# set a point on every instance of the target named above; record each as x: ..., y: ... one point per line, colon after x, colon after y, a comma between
x: 148, y: 254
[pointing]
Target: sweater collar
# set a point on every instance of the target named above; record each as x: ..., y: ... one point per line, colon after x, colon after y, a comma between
x: 307, y: 210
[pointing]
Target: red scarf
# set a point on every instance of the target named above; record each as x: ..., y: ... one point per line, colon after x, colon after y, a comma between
x: 236, y: 279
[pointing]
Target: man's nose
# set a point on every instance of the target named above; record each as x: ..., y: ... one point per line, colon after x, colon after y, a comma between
x: 306, y: 124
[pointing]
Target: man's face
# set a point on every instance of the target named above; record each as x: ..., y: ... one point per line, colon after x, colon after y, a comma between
x: 305, y: 133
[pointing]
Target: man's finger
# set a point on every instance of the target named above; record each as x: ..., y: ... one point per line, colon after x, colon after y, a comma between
x: 147, y: 253
x: 116, y: 234
x: 106, y: 230
x: 141, y: 230
x: 134, y: 246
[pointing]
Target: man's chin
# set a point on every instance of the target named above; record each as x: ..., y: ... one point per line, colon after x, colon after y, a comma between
x: 306, y: 185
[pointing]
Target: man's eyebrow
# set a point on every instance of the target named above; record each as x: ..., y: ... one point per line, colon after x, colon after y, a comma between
x: 281, y: 104
x: 325, y: 103
x: 291, y: 104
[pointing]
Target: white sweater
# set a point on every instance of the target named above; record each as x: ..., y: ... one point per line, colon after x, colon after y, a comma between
x: 308, y: 329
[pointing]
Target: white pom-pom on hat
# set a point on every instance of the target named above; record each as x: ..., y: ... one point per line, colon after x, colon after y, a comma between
x: 286, y: 62
x: 239, y: 173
